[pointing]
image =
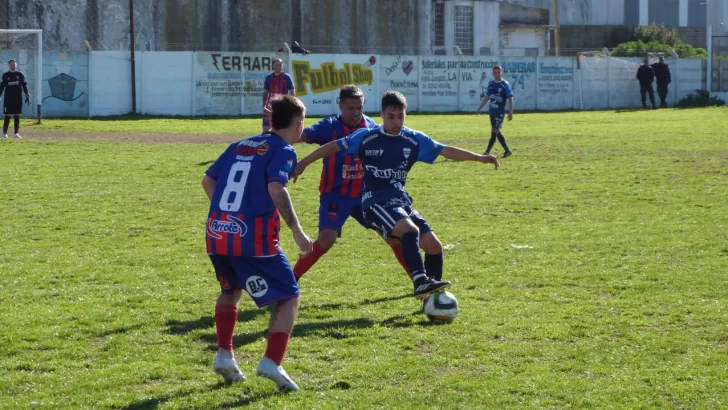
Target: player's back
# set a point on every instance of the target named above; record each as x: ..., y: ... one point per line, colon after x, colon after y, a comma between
x: 243, y: 220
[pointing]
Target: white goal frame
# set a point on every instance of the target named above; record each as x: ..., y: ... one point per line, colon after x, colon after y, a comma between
x: 39, y: 65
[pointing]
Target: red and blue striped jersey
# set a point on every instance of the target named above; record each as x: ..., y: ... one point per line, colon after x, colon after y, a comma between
x: 342, y: 174
x: 243, y: 220
x: 277, y: 85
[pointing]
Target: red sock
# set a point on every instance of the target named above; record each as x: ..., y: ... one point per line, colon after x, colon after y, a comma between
x: 304, y: 263
x: 277, y: 345
x: 397, y: 249
x: 225, y: 318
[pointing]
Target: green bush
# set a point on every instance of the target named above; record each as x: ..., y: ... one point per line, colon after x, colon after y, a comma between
x: 701, y: 98
x: 660, y: 34
x: 640, y: 49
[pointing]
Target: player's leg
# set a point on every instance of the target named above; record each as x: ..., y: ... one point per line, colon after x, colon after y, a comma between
x: 497, y: 124
x: 430, y: 244
x: 643, y: 93
x: 273, y: 283
x: 493, y: 133
x: 662, y: 93
x: 6, y: 124
x: 333, y: 212
x: 393, y: 221
x: 651, y: 93
x: 16, y: 123
x: 393, y: 243
x: 226, y: 315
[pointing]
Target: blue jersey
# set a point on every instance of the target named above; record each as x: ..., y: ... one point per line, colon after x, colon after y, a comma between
x: 243, y: 220
x: 387, y: 159
x: 342, y: 173
x: 499, y: 92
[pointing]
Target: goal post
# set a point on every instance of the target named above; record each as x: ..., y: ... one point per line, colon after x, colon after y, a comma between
x: 15, y: 42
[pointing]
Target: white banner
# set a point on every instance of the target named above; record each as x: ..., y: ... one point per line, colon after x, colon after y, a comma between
x: 439, y: 83
x: 399, y: 73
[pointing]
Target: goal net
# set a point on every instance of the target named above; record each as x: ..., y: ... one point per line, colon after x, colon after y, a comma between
x: 605, y: 81
x: 26, y: 48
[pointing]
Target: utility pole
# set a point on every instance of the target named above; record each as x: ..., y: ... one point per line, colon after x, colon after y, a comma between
x: 133, y: 61
x: 557, y: 36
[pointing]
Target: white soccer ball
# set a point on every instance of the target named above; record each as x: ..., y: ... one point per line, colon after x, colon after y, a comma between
x: 441, y: 307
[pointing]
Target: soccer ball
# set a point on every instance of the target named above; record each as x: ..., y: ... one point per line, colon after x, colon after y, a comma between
x: 441, y: 307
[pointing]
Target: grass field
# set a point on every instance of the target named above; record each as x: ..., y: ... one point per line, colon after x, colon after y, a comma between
x: 591, y: 271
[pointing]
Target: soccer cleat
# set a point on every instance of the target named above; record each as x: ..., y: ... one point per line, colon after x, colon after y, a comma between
x: 486, y: 153
x: 18, y: 136
x: 427, y: 286
x: 270, y: 370
x: 507, y: 154
x: 4, y: 136
x: 227, y: 367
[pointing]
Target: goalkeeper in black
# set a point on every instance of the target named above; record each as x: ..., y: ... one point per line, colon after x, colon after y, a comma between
x: 14, y: 86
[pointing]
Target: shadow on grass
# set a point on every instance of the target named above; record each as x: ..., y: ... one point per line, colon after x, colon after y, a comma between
x: 181, y: 327
x: 155, y: 402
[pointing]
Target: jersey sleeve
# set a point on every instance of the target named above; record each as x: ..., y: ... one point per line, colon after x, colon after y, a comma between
x: 290, y: 82
x: 429, y: 148
x: 266, y: 83
x: 350, y: 144
x: 369, y: 122
x: 214, y: 170
x: 281, y: 166
x: 509, y: 91
x: 321, y: 132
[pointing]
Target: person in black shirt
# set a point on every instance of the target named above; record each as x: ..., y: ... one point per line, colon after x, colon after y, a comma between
x: 14, y: 85
x: 663, y: 78
x: 646, y: 76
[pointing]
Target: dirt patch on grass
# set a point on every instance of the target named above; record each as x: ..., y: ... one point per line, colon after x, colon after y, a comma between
x: 129, y: 137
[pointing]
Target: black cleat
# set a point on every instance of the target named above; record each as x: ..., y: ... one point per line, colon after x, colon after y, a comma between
x: 426, y: 287
x: 507, y: 154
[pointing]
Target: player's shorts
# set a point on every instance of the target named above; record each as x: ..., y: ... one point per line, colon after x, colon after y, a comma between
x: 267, y: 279
x: 496, y: 120
x: 383, y: 217
x: 334, y: 210
x: 12, y: 107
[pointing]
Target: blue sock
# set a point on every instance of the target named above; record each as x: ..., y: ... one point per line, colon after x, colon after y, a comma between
x: 433, y: 265
x: 411, y: 250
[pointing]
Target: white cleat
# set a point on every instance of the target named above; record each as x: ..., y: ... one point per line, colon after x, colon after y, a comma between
x: 227, y: 367
x: 4, y: 136
x: 270, y: 370
x: 17, y: 136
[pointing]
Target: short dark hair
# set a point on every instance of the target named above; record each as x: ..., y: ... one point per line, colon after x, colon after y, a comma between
x: 285, y: 110
x: 497, y: 67
x: 276, y: 59
x: 394, y: 99
x: 350, y: 91
x: 12, y: 60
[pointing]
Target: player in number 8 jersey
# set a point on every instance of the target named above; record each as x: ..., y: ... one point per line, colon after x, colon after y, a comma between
x: 248, y: 196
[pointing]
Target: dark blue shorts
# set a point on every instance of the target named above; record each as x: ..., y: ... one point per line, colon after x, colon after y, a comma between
x: 383, y: 217
x: 335, y: 209
x: 267, y: 279
x: 496, y: 120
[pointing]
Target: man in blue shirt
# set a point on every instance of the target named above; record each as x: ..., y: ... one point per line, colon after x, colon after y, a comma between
x: 388, y: 153
x: 498, y: 92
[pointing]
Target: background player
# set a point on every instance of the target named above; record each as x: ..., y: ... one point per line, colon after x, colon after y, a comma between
x: 498, y: 92
x: 341, y: 178
x: 14, y: 85
x: 276, y: 83
x: 388, y: 153
x: 247, y: 189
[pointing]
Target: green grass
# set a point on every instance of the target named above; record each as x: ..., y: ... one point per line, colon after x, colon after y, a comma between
x: 619, y: 300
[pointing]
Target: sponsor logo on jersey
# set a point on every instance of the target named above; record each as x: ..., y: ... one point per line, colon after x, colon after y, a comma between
x: 387, y: 173
x: 233, y: 226
x: 256, y: 286
x: 374, y: 152
x: 289, y: 165
x: 355, y: 171
x: 369, y: 138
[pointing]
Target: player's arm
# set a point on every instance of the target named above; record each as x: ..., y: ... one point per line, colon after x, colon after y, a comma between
x: 209, y: 184
x: 2, y: 86
x: 265, y: 97
x: 510, y: 108
x: 282, y: 200
x: 323, y: 151
x: 482, y: 104
x: 25, y: 86
x: 459, y: 154
x: 304, y: 138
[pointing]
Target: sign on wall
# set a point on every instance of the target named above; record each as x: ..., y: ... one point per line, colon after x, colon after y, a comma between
x: 218, y: 83
x: 475, y: 73
x: 439, y: 83
x: 555, y: 83
x: 399, y: 73
x: 319, y: 77
x: 257, y: 66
